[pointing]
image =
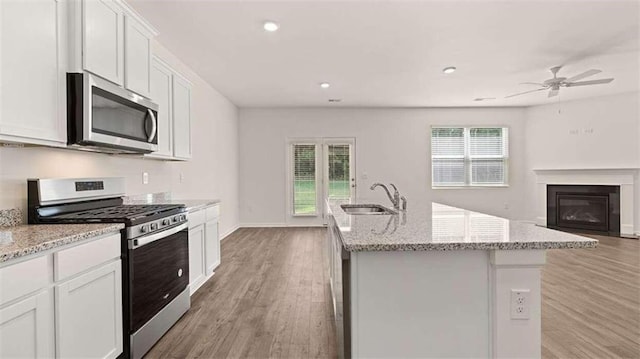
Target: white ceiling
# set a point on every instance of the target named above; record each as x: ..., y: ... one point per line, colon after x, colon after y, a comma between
x: 391, y: 53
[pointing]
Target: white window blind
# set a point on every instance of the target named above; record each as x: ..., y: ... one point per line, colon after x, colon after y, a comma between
x: 469, y: 156
x: 304, y: 179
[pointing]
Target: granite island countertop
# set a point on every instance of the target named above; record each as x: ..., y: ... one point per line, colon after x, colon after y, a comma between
x: 434, y: 226
x: 22, y: 240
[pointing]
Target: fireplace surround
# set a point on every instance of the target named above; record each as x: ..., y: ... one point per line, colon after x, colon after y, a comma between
x: 619, y: 177
x: 584, y: 207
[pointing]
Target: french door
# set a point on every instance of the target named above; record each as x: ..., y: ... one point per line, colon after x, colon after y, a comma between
x: 320, y: 168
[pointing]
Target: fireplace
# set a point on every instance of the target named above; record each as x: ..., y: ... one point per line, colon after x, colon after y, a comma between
x: 584, y: 207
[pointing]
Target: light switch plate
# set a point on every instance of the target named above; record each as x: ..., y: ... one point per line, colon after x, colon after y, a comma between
x: 145, y: 178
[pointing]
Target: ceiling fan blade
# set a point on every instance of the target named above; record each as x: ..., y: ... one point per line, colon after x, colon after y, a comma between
x: 531, y: 83
x: 526, y: 92
x: 592, y: 82
x: 583, y: 75
x: 554, y: 92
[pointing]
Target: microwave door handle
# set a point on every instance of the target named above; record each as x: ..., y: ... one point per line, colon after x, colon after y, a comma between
x: 154, y: 127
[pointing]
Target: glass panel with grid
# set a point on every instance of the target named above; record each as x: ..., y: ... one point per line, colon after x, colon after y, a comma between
x: 339, y: 171
x: 304, y: 179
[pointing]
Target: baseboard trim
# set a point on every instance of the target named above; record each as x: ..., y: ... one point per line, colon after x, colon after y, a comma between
x: 277, y: 225
x: 229, y: 232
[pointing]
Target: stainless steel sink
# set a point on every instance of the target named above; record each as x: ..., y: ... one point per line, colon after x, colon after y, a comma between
x: 366, y: 209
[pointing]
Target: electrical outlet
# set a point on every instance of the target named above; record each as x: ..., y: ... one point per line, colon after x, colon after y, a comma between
x: 181, y: 177
x: 520, y: 301
x: 145, y: 178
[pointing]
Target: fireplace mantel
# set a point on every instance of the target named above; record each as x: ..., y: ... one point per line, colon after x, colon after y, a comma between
x: 623, y: 177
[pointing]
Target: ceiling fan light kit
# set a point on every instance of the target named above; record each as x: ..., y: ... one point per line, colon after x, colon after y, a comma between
x: 554, y: 84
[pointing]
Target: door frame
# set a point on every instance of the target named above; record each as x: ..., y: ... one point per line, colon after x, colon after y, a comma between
x: 326, y: 142
x: 322, y: 173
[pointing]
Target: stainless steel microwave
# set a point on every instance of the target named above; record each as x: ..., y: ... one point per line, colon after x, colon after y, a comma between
x: 104, y: 117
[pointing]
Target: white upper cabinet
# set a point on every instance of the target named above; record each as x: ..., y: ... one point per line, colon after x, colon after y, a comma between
x: 111, y: 40
x: 103, y: 39
x: 137, y: 57
x: 181, y: 118
x: 32, y: 72
x: 161, y: 79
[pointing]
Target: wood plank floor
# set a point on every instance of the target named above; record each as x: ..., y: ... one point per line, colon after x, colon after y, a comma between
x: 270, y: 298
x: 591, y: 301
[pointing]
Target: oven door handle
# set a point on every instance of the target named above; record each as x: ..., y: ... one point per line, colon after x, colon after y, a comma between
x: 139, y: 242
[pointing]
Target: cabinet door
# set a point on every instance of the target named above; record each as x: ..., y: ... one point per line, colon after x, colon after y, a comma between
x: 137, y: 57
x: 26, y: 328
x: 212, y: 246
x: 103, y: 39
x: 196, y: 258
x: 89, y: 314
x: 161, y: 94
x: 181, y: 118
x: 32, y: 71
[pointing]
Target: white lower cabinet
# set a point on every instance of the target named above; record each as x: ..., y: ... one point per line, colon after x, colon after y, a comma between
x: 26, y: 328
x: 89, y: 314
x: 204, y: 245
x: 211, y: 246
x: 197, y: 275
x: 64, y: 304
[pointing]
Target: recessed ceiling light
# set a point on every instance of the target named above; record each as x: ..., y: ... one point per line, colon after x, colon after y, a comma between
x: 335, y: 100
x: 325, y: 85
x: 484, y: 98
x: 449, y: 70
x: 271, y: 26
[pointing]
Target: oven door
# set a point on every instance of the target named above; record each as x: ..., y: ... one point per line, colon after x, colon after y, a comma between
x: 102, y: 114
x: 159, y: 272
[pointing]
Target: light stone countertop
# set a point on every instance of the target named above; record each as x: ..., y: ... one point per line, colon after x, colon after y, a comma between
x: 23, y: 240
x: 434, y: 226
x: 191, y: 204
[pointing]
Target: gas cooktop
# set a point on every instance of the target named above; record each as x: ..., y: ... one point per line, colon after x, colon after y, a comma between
x: 119, y: 213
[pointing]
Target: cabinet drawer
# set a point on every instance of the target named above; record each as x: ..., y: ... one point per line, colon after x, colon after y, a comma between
x: 23, y: 278
x: 196, y: 218
x: 212, y: 213
x: 80, y: 258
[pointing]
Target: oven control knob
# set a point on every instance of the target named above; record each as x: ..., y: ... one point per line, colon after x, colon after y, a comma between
x: 183, y: 217
x: 144, y: 229
x: 165, y: 222
x: 175, y: 218
x: 154, y: 226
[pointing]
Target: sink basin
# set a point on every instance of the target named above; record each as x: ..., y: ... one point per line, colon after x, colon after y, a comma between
x: 366, y: 209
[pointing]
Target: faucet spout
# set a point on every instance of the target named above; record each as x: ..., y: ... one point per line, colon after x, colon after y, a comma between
x: 391, y: 198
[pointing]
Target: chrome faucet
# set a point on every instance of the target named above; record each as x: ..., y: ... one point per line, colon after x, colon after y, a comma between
x: 395, y: 199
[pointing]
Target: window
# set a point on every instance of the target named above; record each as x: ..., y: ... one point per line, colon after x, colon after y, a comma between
x: 469, y: 156
x: 304, y: 179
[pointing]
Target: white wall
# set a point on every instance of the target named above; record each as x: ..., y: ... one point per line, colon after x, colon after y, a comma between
x: 212, y: 173
x: 392, y: 145
x: 602, y: 132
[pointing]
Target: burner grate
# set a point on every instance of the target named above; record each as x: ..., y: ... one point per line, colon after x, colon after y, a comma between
x: 117, y: 212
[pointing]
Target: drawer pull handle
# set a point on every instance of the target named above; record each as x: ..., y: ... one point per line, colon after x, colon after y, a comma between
x: 165, y: 296
x: 180, y: 272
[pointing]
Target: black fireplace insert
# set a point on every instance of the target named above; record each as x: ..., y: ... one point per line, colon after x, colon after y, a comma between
x: 584, y: 207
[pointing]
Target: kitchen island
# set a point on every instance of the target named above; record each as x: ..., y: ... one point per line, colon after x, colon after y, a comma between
x: 438, y: 281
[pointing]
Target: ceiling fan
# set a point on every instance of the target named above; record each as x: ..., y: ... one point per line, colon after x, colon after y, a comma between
x: 554, y: 84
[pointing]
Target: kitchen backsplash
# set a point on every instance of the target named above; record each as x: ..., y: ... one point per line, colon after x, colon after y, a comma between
x: 10, y: 217
x: 150, y: 197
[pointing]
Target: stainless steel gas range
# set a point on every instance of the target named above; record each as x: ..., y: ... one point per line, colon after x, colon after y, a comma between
x: 155, y: 249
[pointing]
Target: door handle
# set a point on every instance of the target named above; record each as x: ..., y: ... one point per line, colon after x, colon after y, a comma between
x: 154, y: 124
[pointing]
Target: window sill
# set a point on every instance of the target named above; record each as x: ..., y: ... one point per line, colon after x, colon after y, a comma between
x: 470, y: 187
